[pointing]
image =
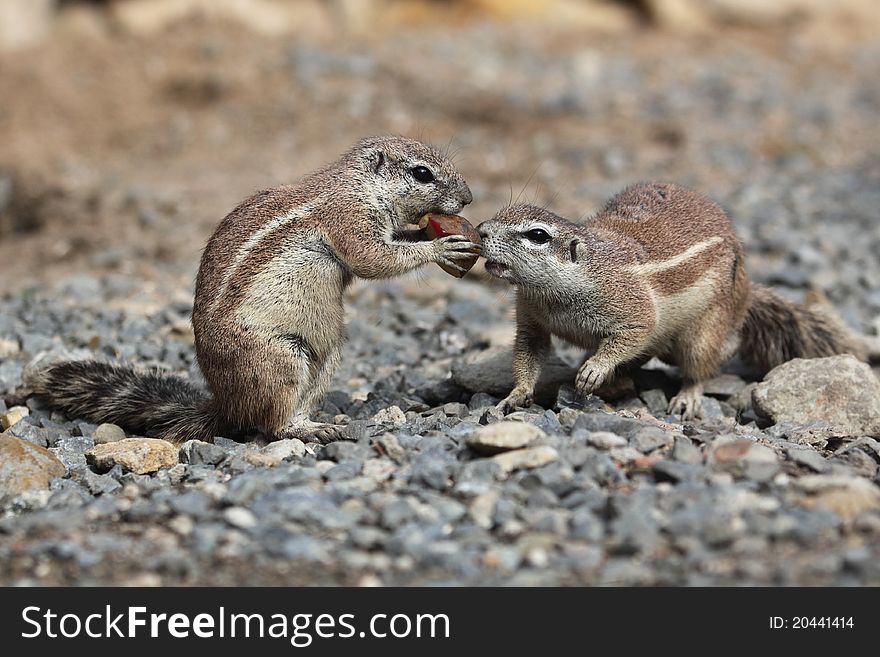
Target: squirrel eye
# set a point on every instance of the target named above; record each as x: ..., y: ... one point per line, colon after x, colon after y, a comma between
x: 537, y: 235
x: 422, y: 174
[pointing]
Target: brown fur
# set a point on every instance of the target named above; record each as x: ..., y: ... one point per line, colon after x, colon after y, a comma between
x: 659, y: 272
x: 268, y: 314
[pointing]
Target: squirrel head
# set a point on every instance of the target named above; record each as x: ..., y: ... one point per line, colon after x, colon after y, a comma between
x: 531, y: 247
x: 408, y: 178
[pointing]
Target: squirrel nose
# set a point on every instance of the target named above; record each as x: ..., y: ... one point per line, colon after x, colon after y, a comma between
x: 466, y: 197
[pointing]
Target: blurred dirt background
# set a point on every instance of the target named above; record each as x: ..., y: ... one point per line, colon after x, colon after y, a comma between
x: 128, y: 128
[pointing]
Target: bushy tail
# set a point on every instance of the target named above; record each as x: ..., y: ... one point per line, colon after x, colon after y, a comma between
x: 777, y: 330
x: 145, y: 402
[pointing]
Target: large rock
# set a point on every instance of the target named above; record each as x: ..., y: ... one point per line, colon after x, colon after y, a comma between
x: 491, y: 371
x: 25, y: 466
x: 138, y: 455
x: 503, y: 437
x: 839, y: 391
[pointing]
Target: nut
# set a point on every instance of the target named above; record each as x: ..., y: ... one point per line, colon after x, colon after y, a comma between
x: 434, y: 226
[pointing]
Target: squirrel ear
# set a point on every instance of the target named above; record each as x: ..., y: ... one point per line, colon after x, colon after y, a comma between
x: 377, y: 159
x: 573, y: 249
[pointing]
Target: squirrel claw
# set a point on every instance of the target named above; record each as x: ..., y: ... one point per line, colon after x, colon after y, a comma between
x: 513, y: 400
x: 589, y: 378
x: 316, y: 432
x: 686, y: 403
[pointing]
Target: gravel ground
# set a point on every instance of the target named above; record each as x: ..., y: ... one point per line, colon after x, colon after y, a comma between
x: 777, y: 484
x: 584, y: 496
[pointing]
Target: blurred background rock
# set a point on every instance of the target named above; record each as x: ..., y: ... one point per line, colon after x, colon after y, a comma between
x: 128, y: 128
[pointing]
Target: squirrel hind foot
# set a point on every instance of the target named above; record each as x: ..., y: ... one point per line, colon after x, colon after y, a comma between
x: 316, y: 432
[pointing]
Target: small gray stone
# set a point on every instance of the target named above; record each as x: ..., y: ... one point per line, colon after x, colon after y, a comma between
x: 240, y: 517
x: 356, y: 430
x: 481, y: 470
x: 585, y: 526
x: 391, y: 416
x: 396, y: 513
x: 340, y: 451
x: 482, y: 508
x: 227, y: 443
x: 568, y: 397
x: 491, y: 416
x: 605, y: 439
x: 107, y: 433
x: 655, y: 400
x: 612, y: 422
x: 710, y: 409
x: 31, y: 433
x: 96, y: 484
x: 388, y: 445
x: 816, y: 434
x: 456, y: 409
x: 634, y: 531
x: 667, y: 470
x: 482, y: 400
x: 84, y: 429
x: 431, y: 472
x: 744, y: 458
x: 344, y: 470
x: 648, y: 438
x: 684, y: 450
x: 809, y: 458
x: 198, y: 452
x: 339, y: 399
x: 548, y: 422
x: 288, y: 448
x: 72, y: 450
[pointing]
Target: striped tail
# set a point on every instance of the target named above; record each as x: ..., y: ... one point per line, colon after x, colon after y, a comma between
x: 777, y: 330
x: 149, y: 403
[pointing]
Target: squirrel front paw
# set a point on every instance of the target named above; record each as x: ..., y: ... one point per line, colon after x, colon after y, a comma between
x: 453, y: 248
x: 687, y: 403
x: 590, y: 377
x: 514, y: 399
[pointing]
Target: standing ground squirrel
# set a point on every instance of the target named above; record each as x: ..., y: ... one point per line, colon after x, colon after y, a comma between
x: 659, y: 272
x: 268, y: 313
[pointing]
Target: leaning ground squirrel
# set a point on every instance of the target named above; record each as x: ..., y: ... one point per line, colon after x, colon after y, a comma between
x: 268, y: 311
x: 659, y: 272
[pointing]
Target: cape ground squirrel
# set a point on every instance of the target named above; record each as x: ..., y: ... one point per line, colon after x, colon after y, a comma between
x: 268, y: 310
x: 659, y: 272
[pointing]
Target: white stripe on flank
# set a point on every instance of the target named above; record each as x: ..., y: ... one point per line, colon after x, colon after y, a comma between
x: 261, y: 233
x: 657, y: 267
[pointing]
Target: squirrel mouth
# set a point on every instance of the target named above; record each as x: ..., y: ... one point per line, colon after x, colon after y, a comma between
x: 496, y: 268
